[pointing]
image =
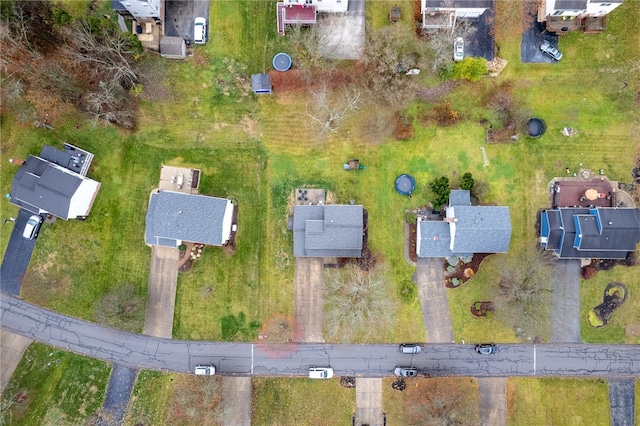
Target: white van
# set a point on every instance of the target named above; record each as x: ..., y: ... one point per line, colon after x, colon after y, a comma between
x: 320, y: 372
x: 200, y: 31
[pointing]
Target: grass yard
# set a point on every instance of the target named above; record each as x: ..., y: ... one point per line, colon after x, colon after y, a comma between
x: 160, y: 398
x: 626, y: 315
x: 54, y: 387
x: 557, y: 401
x: 287, y: 401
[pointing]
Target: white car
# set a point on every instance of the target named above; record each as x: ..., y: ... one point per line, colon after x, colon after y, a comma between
x: 320, y: 372
x: 205, y: 370
x: 32, y: 227
x: 458, y: 49
x: 200, y: 31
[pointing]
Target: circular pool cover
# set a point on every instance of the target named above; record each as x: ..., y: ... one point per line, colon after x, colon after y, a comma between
x: 535, y: 127
x: 405, y: 184
x: 282, y: 61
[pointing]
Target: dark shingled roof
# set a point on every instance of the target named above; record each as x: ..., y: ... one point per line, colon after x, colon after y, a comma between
x: 600, y: 233
x: 571, y: 4
x: 175, y: 216
x: 475, y: 4
x: 41, y: 185
x: 459, y: 197
x: 435, y: 239
x: 327, y: 231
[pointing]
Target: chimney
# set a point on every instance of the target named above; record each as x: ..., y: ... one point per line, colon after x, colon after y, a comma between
x: 449, y: 219
x: 16, y: 161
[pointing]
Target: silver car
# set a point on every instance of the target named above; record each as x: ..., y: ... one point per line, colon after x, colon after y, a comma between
x: 405, y: 372
x: 550, y: 51
x: 32, y: 227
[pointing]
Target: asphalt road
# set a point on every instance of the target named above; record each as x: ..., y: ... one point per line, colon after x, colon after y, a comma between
x: 18, y: 255
x: 140, y: 351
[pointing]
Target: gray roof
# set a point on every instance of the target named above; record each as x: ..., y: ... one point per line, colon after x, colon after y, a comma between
x: 571, y: 4
x: 435, y: 239
x: 458, y: 4
x: 261, y: 83
x: 176, y: 216
x: 600, y: 233
x: 459, y: 197
x: 173, y: 47
x: 481, y: 229
x: 328, y: 230
x: 41, y: 185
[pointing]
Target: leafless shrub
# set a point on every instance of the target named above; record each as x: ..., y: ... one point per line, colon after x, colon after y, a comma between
x: 440, y: 41
x: 442, y: 402
x: 328, y: 109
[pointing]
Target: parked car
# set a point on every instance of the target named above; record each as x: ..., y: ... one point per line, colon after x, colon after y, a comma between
x: 410, y: 348
x: 205, y: 370
x: 550, y: 51
x: 320, y: 372
x: 32, y: 227
x: 458, y: 49
x: 200, y: 31
x: 486, y: 348
x: 405, y: 372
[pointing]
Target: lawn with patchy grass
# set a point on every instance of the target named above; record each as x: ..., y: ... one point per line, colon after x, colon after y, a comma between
x: 557, y: 401
x: 50, y: 386
x: 591, y: 295
x: 161, y: 398
x: 288, y: 401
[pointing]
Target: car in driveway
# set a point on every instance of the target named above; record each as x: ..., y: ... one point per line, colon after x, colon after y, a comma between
x: 405, y: 372
x: 550, y: 51
x: 200, y: 30
x: 205, y: 370
x: 320, y: 372
x: 32, y: 227
x: 458, y: 49
x: 486, y: 348
x: 410, y: 348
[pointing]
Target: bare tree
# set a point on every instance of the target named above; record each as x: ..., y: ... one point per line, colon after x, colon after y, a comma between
x: 356, y: 303
x: 523, y: 297
x: 440, y: 41
x: 308, y: 49
x: 328, y: 109
x: 442, y: 402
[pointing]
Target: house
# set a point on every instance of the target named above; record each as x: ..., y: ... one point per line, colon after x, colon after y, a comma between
x: 563, y: 16
x: 328, y: 230
x: 465, y: 230
x: 174, y: 217
x: 173, y: 47
x: 55, y: 183
x: 444, y: 13
x: 590, y: 233
x: 303, y: 12
x: 140, y: 10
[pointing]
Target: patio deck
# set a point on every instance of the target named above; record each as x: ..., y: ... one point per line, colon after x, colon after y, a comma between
x: 570, y: 192
x: 294, y: 15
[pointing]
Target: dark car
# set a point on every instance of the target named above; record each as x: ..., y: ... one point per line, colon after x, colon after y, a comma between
x: 550, y: 51
x: 405, y: 372
x: 486, y: 348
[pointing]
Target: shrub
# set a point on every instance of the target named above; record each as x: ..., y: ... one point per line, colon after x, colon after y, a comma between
x: 588, y: 272
x: 456, y: 282
x: 407, y: 292
x: 467, y: 181
x: 594, y: 320
x: 440, y: 188
x: 470, y: 68
x: 450, y: 269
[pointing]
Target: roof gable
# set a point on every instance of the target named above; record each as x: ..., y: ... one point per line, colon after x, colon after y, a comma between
x: 481, y: 229
x: 434, y: 239
x: 327, y: 230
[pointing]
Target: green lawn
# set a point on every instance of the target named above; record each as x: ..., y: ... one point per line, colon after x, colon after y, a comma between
x: 50, y: 386
x: 284, y: 402
x: 557, y: 401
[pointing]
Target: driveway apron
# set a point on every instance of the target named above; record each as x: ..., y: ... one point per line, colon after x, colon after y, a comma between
x: 161, y: 296
x: 493, y: 401
x: 236, y: 401
x: 309, y: 297
x: 565, y: 302
x: 622, y: 401
x: 369, y: 402
x: 433, y: 299
x: 12, y: 347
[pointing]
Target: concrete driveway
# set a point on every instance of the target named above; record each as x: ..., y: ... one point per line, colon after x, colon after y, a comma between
x: 343, y: 35
x: 18, y: 255
x: 161, y: 295
x: 433, y: 299
x: 180, y: 15
x: 309, y: 297
x: 369, y: 402
x: 565, y: 302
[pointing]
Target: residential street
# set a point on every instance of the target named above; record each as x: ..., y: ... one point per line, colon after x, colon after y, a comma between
x: 140, y: 351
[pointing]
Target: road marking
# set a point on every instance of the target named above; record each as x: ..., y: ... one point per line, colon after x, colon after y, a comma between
x: 534, y: 360
x: 252, y: 359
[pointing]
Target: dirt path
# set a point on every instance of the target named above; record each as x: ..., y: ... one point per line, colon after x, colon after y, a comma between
x: 565, y: 302
x: 622, y: 401
x: 433, y: 299
x: 369, y: 402
x: 12, y: 347
x: 161, y: 296
x: 236, y: 401
x: 309, y: 298
x: 493, y: 401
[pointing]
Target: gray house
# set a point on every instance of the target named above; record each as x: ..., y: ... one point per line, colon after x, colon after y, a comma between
x: 55, y: 183
x: 174, y: 217
x: 465, y: 230
x: 328, y: 230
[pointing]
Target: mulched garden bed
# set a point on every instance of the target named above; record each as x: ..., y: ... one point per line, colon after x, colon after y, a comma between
x: 615, y: 294
x: 482, y: 309
x: 462, y: 272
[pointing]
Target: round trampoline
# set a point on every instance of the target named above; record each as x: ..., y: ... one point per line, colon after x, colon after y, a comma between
x: 535, y: 127
x: 405, y: 184
x: 282, y: 61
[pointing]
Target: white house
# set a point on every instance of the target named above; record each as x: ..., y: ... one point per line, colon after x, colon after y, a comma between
x: 443, y: 13
x: 563, y: 16
x: 143, y: 9
x: 303, y: 12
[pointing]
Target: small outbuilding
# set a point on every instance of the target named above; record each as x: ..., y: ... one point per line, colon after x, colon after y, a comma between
x: 173, y: 48
x: 260, y: 84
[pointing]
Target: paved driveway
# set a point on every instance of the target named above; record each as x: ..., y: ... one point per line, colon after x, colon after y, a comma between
x: 309, y: 297
x: 565, y: 302
x: 622, y: 401
x: 369, y: 402
x: 532, y: 36
x: 493, y: 400
x: 180, y: 15
x: 161, y: 293
x: 18, y: 255
x: 343, y: 35
x: 433, y: 299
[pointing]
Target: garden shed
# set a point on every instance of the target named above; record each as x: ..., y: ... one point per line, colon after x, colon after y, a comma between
x: 260, y: 83
x: 173, y: 48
